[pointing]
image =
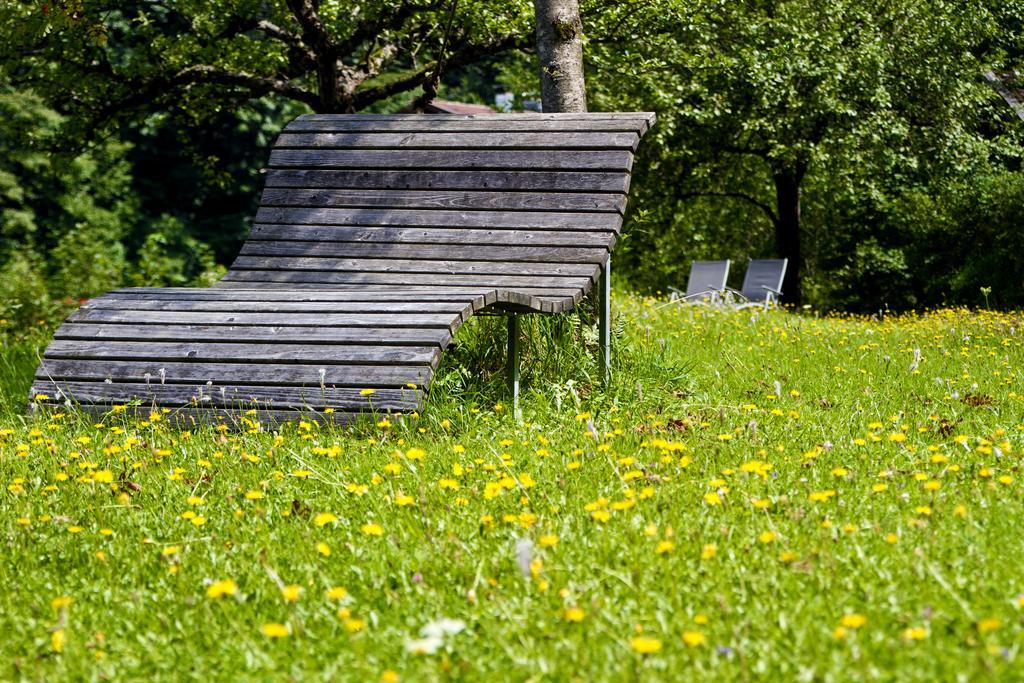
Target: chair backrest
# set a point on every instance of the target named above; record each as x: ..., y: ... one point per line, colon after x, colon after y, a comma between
x: 763, y: 279
x: 527, y: 201
x: 707, y: 276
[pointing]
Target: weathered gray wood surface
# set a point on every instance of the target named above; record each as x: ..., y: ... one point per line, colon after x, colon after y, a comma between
x: 376, y: 238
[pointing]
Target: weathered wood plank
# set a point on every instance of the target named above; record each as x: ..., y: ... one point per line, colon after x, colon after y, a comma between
x: 473, y: 236
x: 240, y: 353
x: 614, y: 160
x: 639, y: 121
x: 530, y: 180
x: 449, y: 252
x: 413, y: 266
x: 321, y: 321
x: 412, y: 289
x: 163, y: 372
x: 139, y: 330
x: 441, y: 219
x: 477, y: 297
x: 446, y: 200
x: 226, y: 396
x: 473, y: 125
x: 462, y: 140
x: 410, y: 279
x: 333, y: 307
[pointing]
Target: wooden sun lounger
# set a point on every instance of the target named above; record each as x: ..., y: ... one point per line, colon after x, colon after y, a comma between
x: 375, y: 239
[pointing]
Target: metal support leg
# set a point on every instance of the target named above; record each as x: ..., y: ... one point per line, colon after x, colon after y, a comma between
x: 513, y: 361
x: 605, y: 325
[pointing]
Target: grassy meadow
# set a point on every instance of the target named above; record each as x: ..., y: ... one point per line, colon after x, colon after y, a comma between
x: 757, y: 496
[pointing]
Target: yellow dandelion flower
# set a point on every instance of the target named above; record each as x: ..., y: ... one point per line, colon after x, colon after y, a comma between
x: 989, y: 624
x: 57, y: 640
x: 372, y: 529
x: 324, y: 518
x: 274, y: 630
x: 645, y: 645
x: 712, y: 498
x: 914, y: 633
x: 218, y: 589
x: 853, y: 620
x: 694, y: 638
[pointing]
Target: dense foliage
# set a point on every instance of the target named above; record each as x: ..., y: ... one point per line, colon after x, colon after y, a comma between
x: 858, y: 139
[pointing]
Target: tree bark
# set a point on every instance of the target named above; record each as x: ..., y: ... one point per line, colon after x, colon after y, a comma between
x: 787, y: 230
x: 560, y: 49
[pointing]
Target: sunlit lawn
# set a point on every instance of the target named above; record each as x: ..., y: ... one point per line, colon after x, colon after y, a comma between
x: 757, y: 497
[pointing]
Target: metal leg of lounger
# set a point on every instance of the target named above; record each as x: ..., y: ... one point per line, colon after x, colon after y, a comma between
x: 605, y: 324
x: 513, y: 361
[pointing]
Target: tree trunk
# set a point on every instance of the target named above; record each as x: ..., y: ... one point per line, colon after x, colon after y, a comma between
x: 787, y: 230
x: 560, y: 48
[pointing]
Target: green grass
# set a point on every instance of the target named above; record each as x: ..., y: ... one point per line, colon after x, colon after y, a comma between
x: 748, y: 481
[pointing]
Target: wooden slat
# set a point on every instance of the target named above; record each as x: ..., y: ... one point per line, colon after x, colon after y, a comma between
x: 414, y: 266
x: 333, y: 307
x: 638, y: 121
x: 405, y: 279
x: 477, y: 297
x: 450, y: 252
x: 454, y: 159
x: 461, y: 140
x: 316, y: 320
x: 240, y: 353
x: 442, y: 219
x: 471, y: 236
x: 531, y: 180
x: 358, y: 289
x: 445, y: 200
x: 139, y: 330
x: 636, y: 124
x: 354, y: 375
x: 230, y: 395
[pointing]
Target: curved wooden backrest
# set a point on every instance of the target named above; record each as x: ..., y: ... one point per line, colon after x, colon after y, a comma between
x: 525, y: 202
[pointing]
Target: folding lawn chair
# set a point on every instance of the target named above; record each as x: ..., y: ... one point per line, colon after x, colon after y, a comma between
x: 762, y: 284
x: 706, y: 283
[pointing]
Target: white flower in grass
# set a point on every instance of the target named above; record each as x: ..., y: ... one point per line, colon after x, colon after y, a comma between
x: 442, y: 628
x: 423, y: 646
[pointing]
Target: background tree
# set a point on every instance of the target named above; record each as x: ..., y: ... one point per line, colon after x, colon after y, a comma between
x: 560, y: 54
x: 754, y: 98
x: 105, y: 61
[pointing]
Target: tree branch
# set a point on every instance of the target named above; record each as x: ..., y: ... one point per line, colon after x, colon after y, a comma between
x: 736, y: 195
x: 465, y: 55
x: 205, y: 74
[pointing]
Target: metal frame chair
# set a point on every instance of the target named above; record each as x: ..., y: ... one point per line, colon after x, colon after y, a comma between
x: 706, y: 283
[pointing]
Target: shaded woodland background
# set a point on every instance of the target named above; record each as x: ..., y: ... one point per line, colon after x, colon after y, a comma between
x: 132, y: 133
